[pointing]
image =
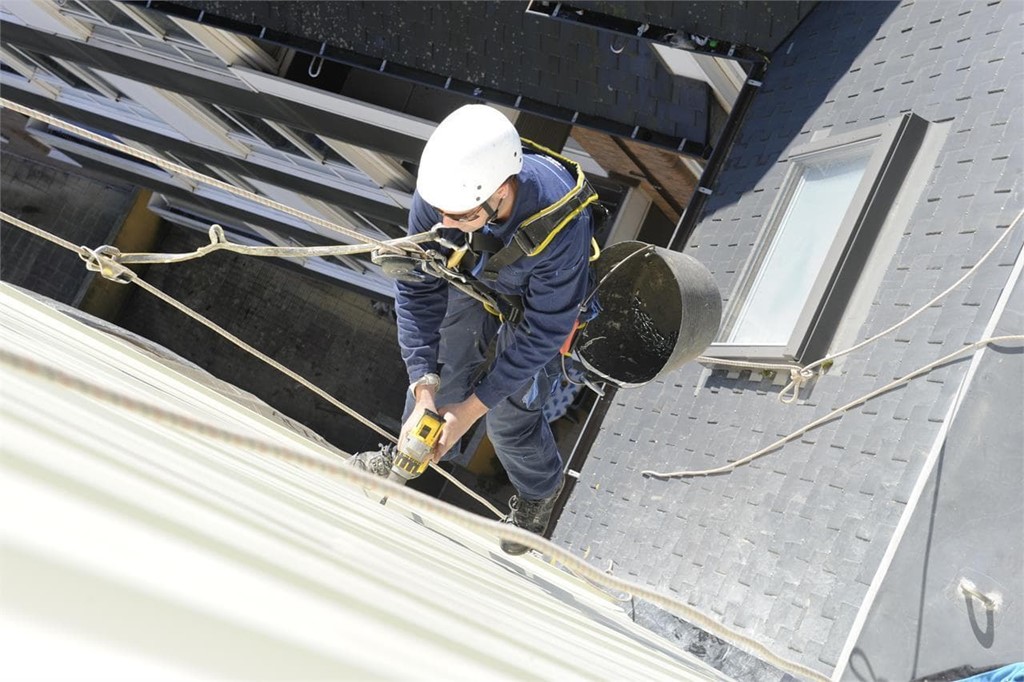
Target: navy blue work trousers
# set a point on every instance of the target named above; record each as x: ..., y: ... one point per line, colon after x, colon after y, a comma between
x: 516, y: 427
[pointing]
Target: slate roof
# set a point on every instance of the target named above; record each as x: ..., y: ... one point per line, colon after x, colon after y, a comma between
x: 490, y: 45
x: 784, y: 549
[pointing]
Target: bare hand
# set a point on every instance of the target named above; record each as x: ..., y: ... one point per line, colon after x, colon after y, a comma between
x: 458, y: 419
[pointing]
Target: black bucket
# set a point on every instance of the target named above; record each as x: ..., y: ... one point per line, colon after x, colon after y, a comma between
x: 660, y: 309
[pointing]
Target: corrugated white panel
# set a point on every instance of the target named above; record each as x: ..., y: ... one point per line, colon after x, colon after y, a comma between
x: 138, y: 549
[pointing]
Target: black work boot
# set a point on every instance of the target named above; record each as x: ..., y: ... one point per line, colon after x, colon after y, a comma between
x: 531, y: 515
x: 377, y: 462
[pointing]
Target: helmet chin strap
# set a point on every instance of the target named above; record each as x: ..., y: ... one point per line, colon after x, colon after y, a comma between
x: 492, y: 213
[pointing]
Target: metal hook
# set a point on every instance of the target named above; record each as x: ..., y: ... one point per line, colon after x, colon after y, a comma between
x: 991, y: 601
x: 317, y: 61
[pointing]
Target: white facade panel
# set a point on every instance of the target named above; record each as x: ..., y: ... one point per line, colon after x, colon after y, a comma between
x: 144, y: 548
x: 175, y: 111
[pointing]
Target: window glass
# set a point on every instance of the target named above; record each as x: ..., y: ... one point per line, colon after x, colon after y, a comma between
x: 263, y: 133
x: 314, y: 142
x: 161, y: 36
x: 200, y: 55
x: 834, y: 200
x: 100, y: 9
x: 51, y: 67
x: 170, y: 29
x: 821, y: 194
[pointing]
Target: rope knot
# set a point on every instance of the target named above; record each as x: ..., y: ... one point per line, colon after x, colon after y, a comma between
x: 104, y: 260
x: 798, y: 378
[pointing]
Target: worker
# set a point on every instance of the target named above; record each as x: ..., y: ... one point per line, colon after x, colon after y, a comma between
x: 468, y: 361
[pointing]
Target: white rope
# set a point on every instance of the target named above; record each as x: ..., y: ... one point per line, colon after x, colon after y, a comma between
x: 839, y: 410
x: 118, y: 273
x: 799, y: 376
x: 48, y: 236
x: 97, y: 260
x: 186, y: 172
x: 218, y: 242
x: 414, y: 500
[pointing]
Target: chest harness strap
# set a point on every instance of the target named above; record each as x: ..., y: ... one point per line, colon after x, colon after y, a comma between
x: 531, y: 238
x: 537, y: 231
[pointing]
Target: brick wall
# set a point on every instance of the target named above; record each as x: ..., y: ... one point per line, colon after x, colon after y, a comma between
x: 329, y: 335
x: 59, y: 198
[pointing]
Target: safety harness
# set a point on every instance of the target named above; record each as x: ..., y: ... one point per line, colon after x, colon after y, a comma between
x: 536, y: 232
x: 531, y: 238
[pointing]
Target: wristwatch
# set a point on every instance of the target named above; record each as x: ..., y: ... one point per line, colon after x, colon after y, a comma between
x: 425, y: 380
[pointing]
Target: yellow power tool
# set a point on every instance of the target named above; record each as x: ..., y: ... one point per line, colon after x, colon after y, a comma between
x: 414, y: 454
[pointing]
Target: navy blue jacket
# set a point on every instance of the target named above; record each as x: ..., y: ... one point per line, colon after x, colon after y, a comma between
x: 552, y: 285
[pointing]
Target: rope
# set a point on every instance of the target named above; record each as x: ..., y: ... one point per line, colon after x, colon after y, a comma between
x: 412, y: 499
x: 799, y: 376
x: 99, y: 263
x: 839, y: 410
x: 98, y: 260
x: 218, y: 242
x: 186, y: 172
x: 48, y: 236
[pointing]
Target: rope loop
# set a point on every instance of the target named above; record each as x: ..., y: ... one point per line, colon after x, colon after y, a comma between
x: 216, y: 233
x: 104, y: 260
x: 798, y: 378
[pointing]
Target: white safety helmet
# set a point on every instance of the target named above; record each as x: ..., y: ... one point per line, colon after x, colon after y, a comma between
x: 472, y: 151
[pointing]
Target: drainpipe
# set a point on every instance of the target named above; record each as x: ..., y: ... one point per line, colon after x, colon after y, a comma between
x: 709, y: 177
x: 580, y: 450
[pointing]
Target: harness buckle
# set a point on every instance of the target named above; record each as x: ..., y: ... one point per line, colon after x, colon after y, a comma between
x: 523, y: 241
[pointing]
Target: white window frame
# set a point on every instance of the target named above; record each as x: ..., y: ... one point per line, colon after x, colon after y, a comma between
x: 375, y: 115
x: 35, y: 76
x: 45, y: 15
x: 300, y: 144
x: 134, y: 41
x: 232, y: 49
x: 89, y: 77
x: 894, y: 146
x: 41, y: 131
x: 145, y: 19
x: 176, y: 111
x: 28, y: 63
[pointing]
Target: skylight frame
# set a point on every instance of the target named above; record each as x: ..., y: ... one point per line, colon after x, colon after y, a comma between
x: 895, y: 144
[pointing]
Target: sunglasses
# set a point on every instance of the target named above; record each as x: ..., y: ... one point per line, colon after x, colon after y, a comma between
x: 467, y: 217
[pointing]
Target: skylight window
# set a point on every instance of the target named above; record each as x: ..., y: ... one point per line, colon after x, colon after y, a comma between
x: 822, y: 191
x: 831, y: 206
